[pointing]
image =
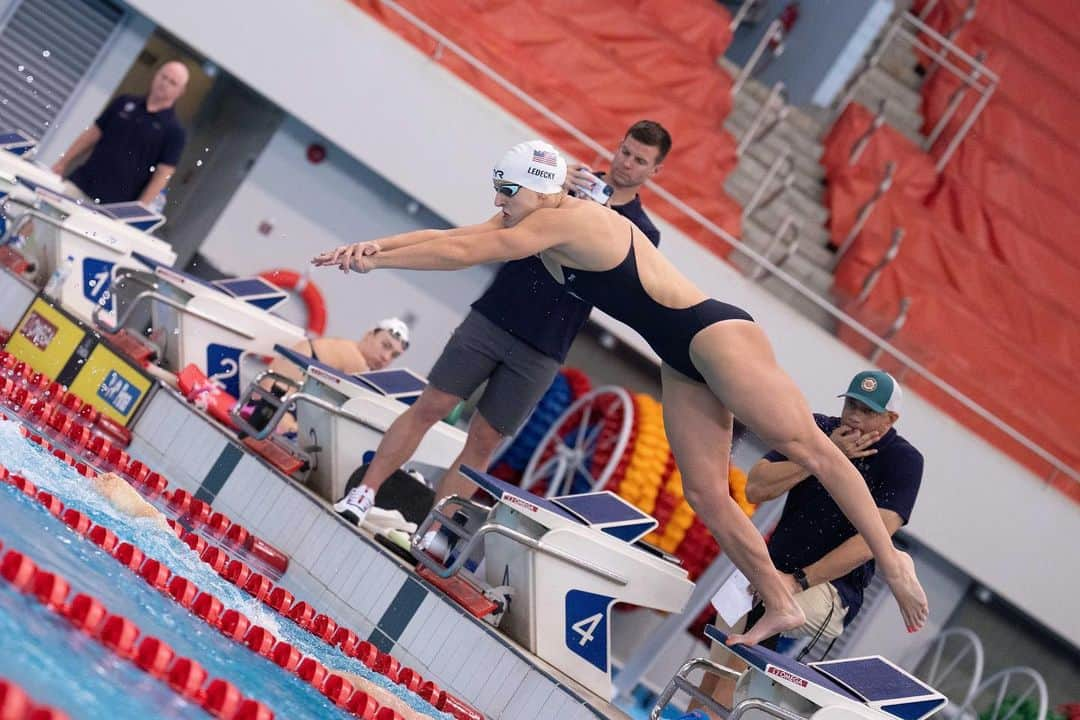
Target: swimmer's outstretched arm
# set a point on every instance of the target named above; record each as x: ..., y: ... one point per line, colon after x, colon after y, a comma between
x: 542, y: 230
x: 347, y: 256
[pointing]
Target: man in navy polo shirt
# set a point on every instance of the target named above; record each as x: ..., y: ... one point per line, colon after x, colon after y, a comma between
x: 827, y: 564
x: 134, y: 144
x: 515, y: 338
x: 639, y: 157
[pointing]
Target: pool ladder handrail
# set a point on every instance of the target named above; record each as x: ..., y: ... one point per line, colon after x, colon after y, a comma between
x: 681, y: 681
x: 478, y: 517
x: 283, y: 404
x: 153, y: 293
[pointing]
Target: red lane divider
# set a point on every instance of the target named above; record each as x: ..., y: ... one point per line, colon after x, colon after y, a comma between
x: 232, y: 623
x: 184, y: 675
x: 46, y: 403
x: 154, y: 656
x: 15, y: 704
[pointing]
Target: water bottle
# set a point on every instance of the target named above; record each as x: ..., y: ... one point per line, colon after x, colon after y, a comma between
x: 59, y: 276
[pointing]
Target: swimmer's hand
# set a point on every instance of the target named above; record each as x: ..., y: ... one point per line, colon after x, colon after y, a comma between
x: 349, y: 257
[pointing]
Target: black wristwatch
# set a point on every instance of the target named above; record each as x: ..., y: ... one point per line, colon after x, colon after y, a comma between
x: 800, y: 577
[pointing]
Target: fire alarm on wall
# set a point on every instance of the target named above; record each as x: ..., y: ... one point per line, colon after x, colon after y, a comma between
x: 316, y: 153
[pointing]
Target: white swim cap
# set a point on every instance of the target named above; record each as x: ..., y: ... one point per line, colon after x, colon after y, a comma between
x: 536, y: 165
x: 397, y: 328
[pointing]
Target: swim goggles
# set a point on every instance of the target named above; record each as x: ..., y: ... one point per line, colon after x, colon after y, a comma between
x: 399, y: 337
x: 507, y: 189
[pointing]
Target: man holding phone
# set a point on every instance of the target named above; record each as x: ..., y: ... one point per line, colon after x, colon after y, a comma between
x: 638, y: 158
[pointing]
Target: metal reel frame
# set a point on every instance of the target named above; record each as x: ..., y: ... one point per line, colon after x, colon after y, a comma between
x: 561, y: 467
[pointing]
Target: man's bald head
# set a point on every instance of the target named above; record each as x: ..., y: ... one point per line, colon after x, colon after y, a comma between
x: 168, y: 85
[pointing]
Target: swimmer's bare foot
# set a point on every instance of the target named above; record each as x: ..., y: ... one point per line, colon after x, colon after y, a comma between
x: 908, y: 592
x: 771, y: 623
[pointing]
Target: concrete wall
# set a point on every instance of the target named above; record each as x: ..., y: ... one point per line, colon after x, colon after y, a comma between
x: 90, y: 97
x: 403, y: 116
x: 824, y: 46
x: 342, y: 572
x: 315, y: 207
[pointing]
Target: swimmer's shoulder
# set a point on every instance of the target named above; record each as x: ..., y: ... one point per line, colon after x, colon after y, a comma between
x: 573, y: 213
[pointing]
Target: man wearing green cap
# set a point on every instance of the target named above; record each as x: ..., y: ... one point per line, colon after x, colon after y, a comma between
x: 818, y: 552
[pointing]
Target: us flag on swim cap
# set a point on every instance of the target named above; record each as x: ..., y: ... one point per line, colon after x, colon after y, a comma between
x: 545, y: 157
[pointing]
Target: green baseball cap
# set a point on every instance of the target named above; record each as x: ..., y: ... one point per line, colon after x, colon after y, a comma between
x: 876, y: 389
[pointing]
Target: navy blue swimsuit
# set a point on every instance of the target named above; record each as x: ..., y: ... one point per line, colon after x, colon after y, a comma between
x: 620, y: 294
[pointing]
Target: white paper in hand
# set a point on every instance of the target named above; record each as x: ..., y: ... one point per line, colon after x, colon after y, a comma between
x: 733, y: 599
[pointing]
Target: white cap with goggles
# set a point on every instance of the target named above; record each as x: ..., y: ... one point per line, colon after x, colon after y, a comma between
x: 397, y: 329
x: 535, y: 165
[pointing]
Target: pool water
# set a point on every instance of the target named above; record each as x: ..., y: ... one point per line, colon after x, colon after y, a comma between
x: 59, y: 665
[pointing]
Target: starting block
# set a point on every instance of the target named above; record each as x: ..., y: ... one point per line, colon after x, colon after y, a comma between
x: 100, y: 247
x: 20, y: 177
x: 99, y: 239
x: 777, y: 686
x: 213, y: 326
x: 341, y: 418
x: 564, y: 562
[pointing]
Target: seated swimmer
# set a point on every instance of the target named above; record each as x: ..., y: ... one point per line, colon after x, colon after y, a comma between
x: 379, y: 347
x: 124, y: 498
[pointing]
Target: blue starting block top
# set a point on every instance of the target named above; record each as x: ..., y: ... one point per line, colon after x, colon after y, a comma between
x: 254, y: 291
x: 397, y: 383
x: 763, y: 658
x: 134, y: 214
x: 872, y: 681
x: 403, y: 385
x: 609, y: 513
x: 603, y: 511
x: 16, y: 142
x: 498, y: 489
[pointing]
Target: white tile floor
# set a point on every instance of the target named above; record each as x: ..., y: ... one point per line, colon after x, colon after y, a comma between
x: 350, y: 578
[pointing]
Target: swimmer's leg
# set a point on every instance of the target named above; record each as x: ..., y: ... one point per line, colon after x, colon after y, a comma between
x: 738, y: 363
x: 698, y: 428
x: 480, y: 445
x: 405, y: 433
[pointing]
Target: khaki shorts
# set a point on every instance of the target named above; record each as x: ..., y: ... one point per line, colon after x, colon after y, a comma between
x: 822, y: 607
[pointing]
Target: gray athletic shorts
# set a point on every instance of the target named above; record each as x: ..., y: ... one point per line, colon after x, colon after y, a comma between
x: 517, y: 373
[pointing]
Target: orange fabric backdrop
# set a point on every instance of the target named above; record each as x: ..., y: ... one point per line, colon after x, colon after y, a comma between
x: 993, y: 310
x: 576, y: 70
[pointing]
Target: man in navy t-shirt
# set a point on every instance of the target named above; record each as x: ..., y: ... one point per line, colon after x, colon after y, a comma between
x: 134, y: 145
x: 516, y: 336
x: 817, y: 550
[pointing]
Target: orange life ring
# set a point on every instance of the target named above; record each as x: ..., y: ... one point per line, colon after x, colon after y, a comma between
x: 308, y: 292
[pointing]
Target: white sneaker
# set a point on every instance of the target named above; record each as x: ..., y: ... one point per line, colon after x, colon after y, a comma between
x: 355, y: 505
